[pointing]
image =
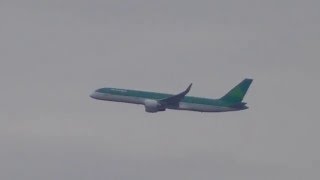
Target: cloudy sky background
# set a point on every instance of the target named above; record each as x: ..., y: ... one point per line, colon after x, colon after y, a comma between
x: 53, y: 54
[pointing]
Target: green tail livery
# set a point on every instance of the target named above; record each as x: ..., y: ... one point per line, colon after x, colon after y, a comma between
x: 155, y: 102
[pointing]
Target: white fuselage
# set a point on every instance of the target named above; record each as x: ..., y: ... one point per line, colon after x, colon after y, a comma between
x: 181, y: 105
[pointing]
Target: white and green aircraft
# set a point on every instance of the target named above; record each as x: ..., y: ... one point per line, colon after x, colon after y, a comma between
x: 155, y: 102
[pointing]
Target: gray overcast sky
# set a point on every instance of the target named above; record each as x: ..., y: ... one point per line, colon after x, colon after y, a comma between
x: 54, y: 53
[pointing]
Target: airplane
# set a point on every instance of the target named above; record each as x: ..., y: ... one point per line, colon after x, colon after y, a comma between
x: 155, y: 102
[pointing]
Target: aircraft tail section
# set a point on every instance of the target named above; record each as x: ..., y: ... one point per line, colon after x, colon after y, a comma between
x: 236, y: 94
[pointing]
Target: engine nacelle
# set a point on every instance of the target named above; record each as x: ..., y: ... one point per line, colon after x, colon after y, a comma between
x: 153, y: 106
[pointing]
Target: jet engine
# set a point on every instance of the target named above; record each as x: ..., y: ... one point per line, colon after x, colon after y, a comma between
x: 153, y: 106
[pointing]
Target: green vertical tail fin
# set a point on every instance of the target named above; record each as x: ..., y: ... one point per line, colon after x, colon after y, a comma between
x: 236, y: 94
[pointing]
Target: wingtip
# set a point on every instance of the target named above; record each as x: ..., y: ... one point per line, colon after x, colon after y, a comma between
x: 189, y: 87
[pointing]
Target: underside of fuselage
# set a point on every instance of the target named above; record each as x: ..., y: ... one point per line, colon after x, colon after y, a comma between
x: 179, y: 106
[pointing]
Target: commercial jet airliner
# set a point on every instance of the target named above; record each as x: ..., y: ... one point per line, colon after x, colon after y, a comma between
x: 155, y: 102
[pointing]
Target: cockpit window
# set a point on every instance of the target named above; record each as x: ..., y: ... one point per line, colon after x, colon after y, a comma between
x: 102, y: 90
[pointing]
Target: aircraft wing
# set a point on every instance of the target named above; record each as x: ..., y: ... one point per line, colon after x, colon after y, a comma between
x: 175, y: 99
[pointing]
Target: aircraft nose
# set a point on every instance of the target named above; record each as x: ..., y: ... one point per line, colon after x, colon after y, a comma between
x: 93, y: 95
